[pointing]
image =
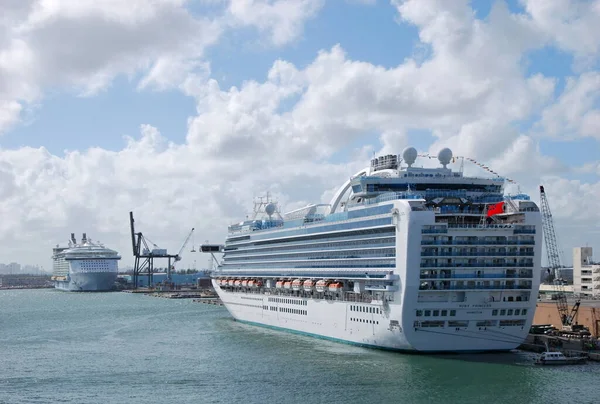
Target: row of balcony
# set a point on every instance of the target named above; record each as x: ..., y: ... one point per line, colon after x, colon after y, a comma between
x: 477, y: 265
x: 521, y: 275
x: 463, y: 253
x: 477, y: 242
x: 439, y: 287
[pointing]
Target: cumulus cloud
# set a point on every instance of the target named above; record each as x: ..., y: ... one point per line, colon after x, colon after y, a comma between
x: 471, y: 92
x: 283, y: 20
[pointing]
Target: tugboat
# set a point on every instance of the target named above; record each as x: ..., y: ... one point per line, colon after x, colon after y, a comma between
x: 557, y: 358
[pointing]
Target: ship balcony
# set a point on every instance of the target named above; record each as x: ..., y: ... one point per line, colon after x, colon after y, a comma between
x: 477, y: 243
x: 449, y: 275
x: 427, y: 265
x: 477, y: 254
x: 445, y: 285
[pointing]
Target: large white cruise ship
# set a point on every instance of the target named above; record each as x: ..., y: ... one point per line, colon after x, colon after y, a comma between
x: 84, y: 267
x: 404, y: 258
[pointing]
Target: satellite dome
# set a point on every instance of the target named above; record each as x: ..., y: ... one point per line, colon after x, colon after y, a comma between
x: 409, y: 155
x: 270, y: 209
x: 445, y: 156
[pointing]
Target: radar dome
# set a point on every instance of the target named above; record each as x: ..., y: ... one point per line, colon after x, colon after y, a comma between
x: 270, y: 209
x: 409, y: 155
x: 445, y: 156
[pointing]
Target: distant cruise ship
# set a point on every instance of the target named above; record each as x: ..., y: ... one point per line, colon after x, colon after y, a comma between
x: 403, y: 258
x: 85, y: 266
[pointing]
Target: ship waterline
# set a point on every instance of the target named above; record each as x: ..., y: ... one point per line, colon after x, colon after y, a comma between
x: 404, y: 258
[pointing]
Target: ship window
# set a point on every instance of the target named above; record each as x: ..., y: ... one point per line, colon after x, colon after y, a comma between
x: 419, y: 313
x: 503, y: 312
x: 524, y: 311
x: 453, y: 312
x: 444, y: 313
x: 494, y: 312
x: 510, y: 312
x: 517, y: 312
x: 427, y: 313
x: 436, y: 313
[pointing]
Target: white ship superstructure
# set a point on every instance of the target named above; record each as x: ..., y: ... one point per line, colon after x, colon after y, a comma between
x: 402, y: 258
x: 84, y: 267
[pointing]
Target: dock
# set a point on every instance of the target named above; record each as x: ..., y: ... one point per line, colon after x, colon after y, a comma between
x: 175, y: 294
x: 213, y: 301
x: 568, y: 346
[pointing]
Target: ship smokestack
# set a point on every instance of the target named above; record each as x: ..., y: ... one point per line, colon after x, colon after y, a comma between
x: 73, y: 238
x: 84, y: 239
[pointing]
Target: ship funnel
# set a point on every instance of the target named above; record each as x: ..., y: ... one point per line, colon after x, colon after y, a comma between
x: 84, y: 239
x: 73, y: 238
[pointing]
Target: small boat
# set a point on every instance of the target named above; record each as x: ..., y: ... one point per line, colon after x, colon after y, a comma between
x: 557, y: 358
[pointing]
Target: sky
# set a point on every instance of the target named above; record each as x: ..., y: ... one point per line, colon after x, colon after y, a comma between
x: 183, y: 111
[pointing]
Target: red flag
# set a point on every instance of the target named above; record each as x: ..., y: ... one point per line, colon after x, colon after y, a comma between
x: 495, y: 209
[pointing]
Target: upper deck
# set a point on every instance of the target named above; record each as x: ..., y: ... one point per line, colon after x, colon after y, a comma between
x: 86, y: 249
x: 446, y: 192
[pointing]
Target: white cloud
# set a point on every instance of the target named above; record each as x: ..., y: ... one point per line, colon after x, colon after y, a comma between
x: 576, y: 113
x: 283, y: 20
x: 572, y: 25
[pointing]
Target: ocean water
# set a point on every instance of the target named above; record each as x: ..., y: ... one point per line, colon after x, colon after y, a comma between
x: 58, y: 347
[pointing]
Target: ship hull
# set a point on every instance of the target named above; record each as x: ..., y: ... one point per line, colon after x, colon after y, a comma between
x: 381, y: 327
x: 88, y: 282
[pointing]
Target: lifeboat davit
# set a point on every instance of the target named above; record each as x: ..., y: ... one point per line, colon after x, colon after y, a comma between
x: 279, y: 285
x: 297, y: 284
x: 231, y: 282
x: 322, y: 285
x: 309, y: 284
x: 336, y: 287
x: 287, y: 284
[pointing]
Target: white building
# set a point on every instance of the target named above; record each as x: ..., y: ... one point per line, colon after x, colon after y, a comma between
x: 586, y: 273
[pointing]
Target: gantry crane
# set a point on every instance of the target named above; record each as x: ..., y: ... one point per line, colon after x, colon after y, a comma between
x: 567, y: 317
x: 144, y: 255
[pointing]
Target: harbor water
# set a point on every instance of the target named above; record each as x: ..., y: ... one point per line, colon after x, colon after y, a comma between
x: 128, y: 348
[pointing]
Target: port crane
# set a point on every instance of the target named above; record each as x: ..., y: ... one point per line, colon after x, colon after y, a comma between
x: 178, y: 255
x: 144, y: 255
x: 567, y: 317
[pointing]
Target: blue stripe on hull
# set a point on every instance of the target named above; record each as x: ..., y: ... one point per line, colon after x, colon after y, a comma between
x: 363, y: 345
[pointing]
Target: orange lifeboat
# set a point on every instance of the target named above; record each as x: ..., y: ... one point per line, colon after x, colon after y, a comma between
x: 297, y: 284
x: 309, y: 284
x: 238, y: 282
x: 222, y: 282
x: 322, y: 285
x: 287, y: 284
x: 279, y: 284
x: 250, y: 283
x: 244, y: 283
x: 257, y: 284
x: 336, y: 287
x: 231, y: 282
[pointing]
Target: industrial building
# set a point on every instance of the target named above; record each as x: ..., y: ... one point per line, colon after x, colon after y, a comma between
x: 586, y: 273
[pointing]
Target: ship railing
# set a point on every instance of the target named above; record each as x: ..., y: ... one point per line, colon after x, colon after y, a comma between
x: 474, y: 287
x: 483, y: 242
x: 480, y: 254
x: 480, y: 276
x: 481, y: 226
x: 477, y: 265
